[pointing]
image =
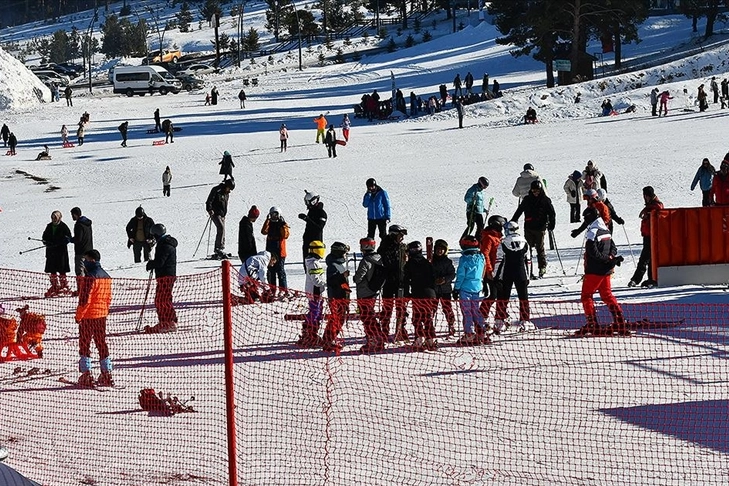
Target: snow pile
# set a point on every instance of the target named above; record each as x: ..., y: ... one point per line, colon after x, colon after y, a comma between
x: 19, y: 87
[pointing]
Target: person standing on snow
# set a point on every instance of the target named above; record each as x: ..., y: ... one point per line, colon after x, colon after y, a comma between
x: 338, y: 291
x: 166, y: 181
x: 444, y: 273
x: 56, y: 237
x: 67, y: 93
x: 94, y: 301
x: 367, y: 293
x: 523, y: 184
x: 321, y: 125
x: 346, y: 125
x: 704, y: 177
x: 654, y: 102
x: 457, y: 89
x: 315, y: 218
x: 467, y: 289
x: 330, y: 140
x: 13, y: 142
x: 573, y: 189
x: 5, y: 132
x: 277, y: 232
x: 377, y: 202
x: 64, y: 136
x: 164, y: 265
x: 460, y: 111
x: 139, y: 236
x: 246, y: 239
x: 157, y: 122
x: 663, y: 100
x: 513, y: 262
x: 539, y: 217
x: 419, y: 286
x: 715, y: 89
x: 123, y: 129
x: 226, y: 166
x: 652, y: 203
x: 217, y: 207
x: 489, y: 243
x: 83, y: 239
x: 392, y: 250
x: 283, y: 136
x: 475, y: 206
x: 720, y: 184
x: 242, y: 98
x: 315, y: 286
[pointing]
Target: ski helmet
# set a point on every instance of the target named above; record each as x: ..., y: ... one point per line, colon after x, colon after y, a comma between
x: 139, y: 212
x: 371, y: 182
x: 511, y: 228
x: 601, y: 194
x: 536, y: 185
x: 339, y: 249
x: 397, y: 229
x: 274, y: 210
x: 158, y: 230
x: 415, y: 248
x: 528, y: 167
x: 497, y: 222
x: 468, y: 242
x: 441, y: 244
x: 590, y: 214
x: 367, y: 244
x: 483, y: 182
x: 310, y: 198
x: 590, y: 194
x: 317, y: 247
x: 229, y: 183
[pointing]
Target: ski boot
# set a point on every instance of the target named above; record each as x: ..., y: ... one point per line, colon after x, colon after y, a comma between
x: 105, y: 379
x: 468, y: 339
x: 451, y: 328
x: 430, y: 344
x: 542, y: 272
x: 481, y: 336
x: 419, y: 344
x: 86, y: 380
x: 591, y: 327
x: 401, y: 334
x: 500, y: 325
x: 619, y: 326
x: 525, y: 326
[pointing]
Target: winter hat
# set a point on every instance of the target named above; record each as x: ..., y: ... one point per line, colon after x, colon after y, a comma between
x: 528, y: 167
x: 93, y: 254
x: 576, y: 175
x: 226, y: 153
x: 76, y: 211
x: 254, y: 212
x: 139, y: 212
x: 726, y: 157
x: 331, y: 126
x: 649, y: 191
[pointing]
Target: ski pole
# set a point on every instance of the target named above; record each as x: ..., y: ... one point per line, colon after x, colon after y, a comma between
x: 551, y: 237
x: 144, y: 303
x: 210, y: 218
x: 32, y: 249
x: 577, y: 267
x: 629, y: 247
x: 34, y: 239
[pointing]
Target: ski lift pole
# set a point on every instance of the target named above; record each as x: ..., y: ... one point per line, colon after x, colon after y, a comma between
x: 629, y: 246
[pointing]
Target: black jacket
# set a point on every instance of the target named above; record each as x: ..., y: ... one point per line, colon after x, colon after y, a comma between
x: 331, y: 137
x: 246, y: 240
x: 83, y: 239
x: 337, y: 282
x: 56, y: 237
x: 419, y: 278
x: 165, y: 258
x: 147, y: 224
x: 217, y: 201
x: 538, y: 212
x: 389, y: 250
x: 599, y: 250
x: 316, y: 219
x: 443, y: 268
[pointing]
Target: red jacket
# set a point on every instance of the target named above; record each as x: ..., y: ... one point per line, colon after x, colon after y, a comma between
x: 645, y: 215
x: 488, y: 244
x: 720, y: 189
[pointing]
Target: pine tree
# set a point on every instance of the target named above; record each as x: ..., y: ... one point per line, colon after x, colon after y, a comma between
x: 184, y: 17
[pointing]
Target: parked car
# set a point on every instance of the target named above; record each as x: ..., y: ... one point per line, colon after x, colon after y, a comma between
x: 70, y: 67
x: 60, y: 79
x: 166, y: 55
x: 190, y: 83
x: 197, y: 69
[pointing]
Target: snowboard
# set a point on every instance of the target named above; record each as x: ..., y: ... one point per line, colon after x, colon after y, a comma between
x: 341, y: 142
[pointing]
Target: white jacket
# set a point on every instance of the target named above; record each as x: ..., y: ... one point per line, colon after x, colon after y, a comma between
x: 569, y: 186
x: 316, y: 275
x: 256, y: 267
x: 524, y: 183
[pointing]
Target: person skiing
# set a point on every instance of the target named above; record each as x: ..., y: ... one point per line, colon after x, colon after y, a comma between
x: 419, y: 287
x: 612, y: 214
x: 523, y: 184
x: 591, y: 197
x: 489, y: 243
x: 652, y: 203
x: 474, y: 200
x: 704, y: 177
x: 330, y: 140
x: 367, y: 292
x: 513, y: 262
x: 600, y: 260
x: 338, y: 292
x: 315, y: 286
x: 253, y: 274
x: 226, y: 166
x: 283, y: 136
x: 321, y: 125
x: 217, y: 207
x: 539, y: 216
x: 654, y: 102
x: 392, y: 250
x: 246, y: 239
x: 139, y: 236
x: 315, y: 219
x: 123, y: 129
x: 157, y: 122
x: 277, y: 232
x: 5, y: 132
x: 573, y: 188
x: 346, y: 125
x: 242, y: 98
x: 94, y: 301
x: 466, y: 290
x: 164, y: 265
x: 444, y: 273
x: 166, y: 181
x: 12, y: 143
x: 377, y: 202
x: 56, y: 237
x: 83, y: 239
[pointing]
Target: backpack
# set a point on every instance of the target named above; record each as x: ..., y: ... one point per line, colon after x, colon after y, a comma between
x: 379, y: 275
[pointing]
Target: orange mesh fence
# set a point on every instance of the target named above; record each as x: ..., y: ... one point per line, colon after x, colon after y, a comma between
x: 533, y: 407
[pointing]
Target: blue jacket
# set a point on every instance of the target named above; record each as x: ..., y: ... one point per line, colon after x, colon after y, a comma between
x: 704, y: 177
x: 474, y: 199
x: 377, y: 204
x: 469, y: 276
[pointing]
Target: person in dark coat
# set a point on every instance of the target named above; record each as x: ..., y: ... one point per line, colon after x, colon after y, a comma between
x: 5, y: 132
x: 169, y: 131
x: 157, y: 122
x: 226, y: 166
x: 444, y: 273
x: 652, y: 203
x: 315, y: 218
x: 338, y: 291
x: 392, y: 250
x: 217, y: 207
x: 83, y: 239
x: 246, y: 240
x: 539, y: 216
x: 139, y: 236
x: 12, y: 143
x: 330, y: 140
x: 164, y: 265
x: 214, y: 96
x: 419, y: 285
x: 460, y: 111
x: 56, y: 236
x: 123, y: 128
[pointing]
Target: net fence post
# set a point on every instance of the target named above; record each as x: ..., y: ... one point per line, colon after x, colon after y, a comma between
x: 229, y: 375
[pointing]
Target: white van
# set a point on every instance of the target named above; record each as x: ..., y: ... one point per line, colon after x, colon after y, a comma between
x: 141, y: 80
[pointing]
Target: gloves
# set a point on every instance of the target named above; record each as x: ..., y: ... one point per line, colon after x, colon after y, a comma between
x: 456, y: 295
x: 575, y: 233
x: 573, y: 193
x: 150, y: 265
x: 302, y: 216
x: 618, y: 260
x: 129, y: 243
x: 619, y: 220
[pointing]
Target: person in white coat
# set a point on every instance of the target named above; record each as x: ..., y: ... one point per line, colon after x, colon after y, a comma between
x: 315, y: 286
x: 573, y: 189
x: 524, y: 182
x: 253, y: 275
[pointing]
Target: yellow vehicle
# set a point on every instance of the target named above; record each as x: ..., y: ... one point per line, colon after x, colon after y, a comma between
x: 167, y: 55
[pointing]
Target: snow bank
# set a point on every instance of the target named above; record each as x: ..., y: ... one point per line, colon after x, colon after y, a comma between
x: 19, y: 87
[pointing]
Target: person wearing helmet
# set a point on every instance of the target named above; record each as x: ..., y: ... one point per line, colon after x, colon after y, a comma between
x: 164, y: 266
x: 600, y: 260
x: 652, y: 203
x: 314, y: 287
x: 474, y: 206
x: 246, y: 239
x: 524, y: 182
x: 466, y: 289
x: 593, y: 201
x: 393, y: 251
x: 419, y: 286
x: 539, y: 216
x: 217, y: 207
x: 603, y: 198
x: 315, y: 218
x: 338, y: 291
x: 369, y: 278
x: 444, y: 273
x: 253, y: 278
x: 277, y: 232
x: 489, y: 243
x: 573, y: 188
x: 226, y: 166
x: 377, y: 202
x: 139, y: 237
x: 513, y: 263
x: 283, y: 136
